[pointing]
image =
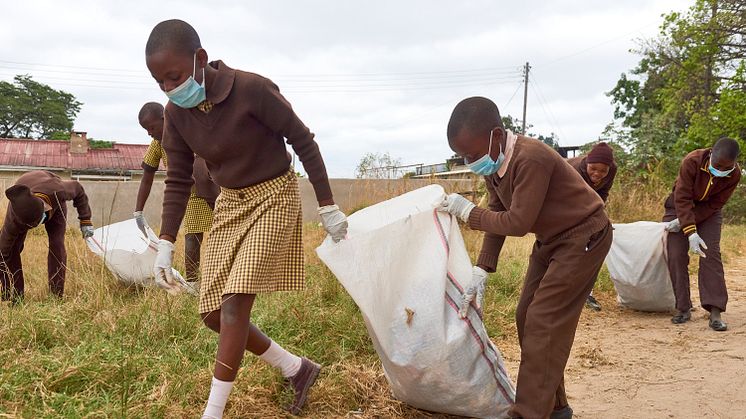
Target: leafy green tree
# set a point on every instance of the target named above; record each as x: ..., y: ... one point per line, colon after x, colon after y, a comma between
x: 29, y: 109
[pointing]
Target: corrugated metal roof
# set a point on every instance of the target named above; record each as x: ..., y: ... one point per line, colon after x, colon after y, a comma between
x: 56, y: 155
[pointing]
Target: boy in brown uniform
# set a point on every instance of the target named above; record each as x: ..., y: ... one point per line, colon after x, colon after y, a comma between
x: 532, y: 190
x: 198, y: 216
x: 39, y: 197
x: 598, y: 170
x: 707, y: 179
x: 238, y: 122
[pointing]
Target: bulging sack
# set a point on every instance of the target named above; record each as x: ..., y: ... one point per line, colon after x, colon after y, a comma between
x: 129, y: 254
x: 406, y: 267
x: 637, y: 266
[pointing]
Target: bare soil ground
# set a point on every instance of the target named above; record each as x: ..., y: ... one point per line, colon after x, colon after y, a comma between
x: 627, y: 364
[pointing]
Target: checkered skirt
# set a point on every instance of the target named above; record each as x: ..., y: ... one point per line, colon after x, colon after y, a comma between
x: 256, y: 242
x: 198, y: 215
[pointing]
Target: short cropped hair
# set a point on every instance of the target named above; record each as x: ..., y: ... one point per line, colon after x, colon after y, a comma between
x: 150, y: 109
x: 726, y: 148
x: 474, y: 114
x: 173, y: 34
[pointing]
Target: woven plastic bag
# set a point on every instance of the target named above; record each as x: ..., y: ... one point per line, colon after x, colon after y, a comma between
x: 405, y: 265
x: 129, y: 254
x: 638, y: 268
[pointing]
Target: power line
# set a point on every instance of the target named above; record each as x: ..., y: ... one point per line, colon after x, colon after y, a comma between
x: 542, y: 102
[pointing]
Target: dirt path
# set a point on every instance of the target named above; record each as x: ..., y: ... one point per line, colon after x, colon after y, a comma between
x: 628, y: 364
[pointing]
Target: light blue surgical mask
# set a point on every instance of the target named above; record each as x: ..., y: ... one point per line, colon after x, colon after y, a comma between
x: 43, y: 218
x: 720, y: 173
x: 485, y: 166
x: 190, y: 93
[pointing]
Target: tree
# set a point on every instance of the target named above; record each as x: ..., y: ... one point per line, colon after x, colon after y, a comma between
x: 29, y: 109
x: 689, y: 87
x: 378, y: 166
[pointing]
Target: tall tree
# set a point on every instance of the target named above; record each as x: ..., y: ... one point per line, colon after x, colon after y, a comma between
x: 29, y: 109
x: 688, y: 87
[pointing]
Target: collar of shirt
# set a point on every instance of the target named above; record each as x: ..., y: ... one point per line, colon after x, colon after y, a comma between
x: 222, y: 84
x: 509, y: 146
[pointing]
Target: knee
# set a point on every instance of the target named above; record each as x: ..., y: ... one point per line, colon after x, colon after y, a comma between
x: 211, y: 320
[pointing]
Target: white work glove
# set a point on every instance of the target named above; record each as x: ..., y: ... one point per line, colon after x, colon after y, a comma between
x: 696, y: 244
x: 673, y: 226
x: 87, y: 231
x: 334, y: 222
x: 458, y: 206
x: 162, y: 269
x: 140, y: 220
x: 475, y: 290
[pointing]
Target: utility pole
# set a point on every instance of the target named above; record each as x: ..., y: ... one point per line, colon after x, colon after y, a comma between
x: 525, y: 96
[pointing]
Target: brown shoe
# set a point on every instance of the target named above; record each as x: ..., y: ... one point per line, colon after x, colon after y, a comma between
x: 301, y: 382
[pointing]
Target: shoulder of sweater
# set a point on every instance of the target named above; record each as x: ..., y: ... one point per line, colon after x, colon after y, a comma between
x: 533, y: 150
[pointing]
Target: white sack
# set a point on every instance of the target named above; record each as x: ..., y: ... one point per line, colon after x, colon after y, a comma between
x: 637, y: 266
x: 128, y: 254
x: 405, y: 265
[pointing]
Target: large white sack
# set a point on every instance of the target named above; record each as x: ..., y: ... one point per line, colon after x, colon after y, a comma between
x: 128, y: 254
x: 405, y: 265
x: 637, y: 266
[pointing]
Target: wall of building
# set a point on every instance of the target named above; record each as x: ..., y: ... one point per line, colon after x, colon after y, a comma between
x: 115, y: 201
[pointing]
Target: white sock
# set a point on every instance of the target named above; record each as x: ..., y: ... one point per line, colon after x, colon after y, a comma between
x: 278, y: 357
x: 219, y: 393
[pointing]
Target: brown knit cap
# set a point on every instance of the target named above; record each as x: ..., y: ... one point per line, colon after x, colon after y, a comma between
x: 26, y: 207
x: 601, y: 153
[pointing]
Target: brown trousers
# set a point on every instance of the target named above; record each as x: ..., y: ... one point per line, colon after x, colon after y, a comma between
x: 560, y: 276
x: 712, y: 290
x: 11, y: 277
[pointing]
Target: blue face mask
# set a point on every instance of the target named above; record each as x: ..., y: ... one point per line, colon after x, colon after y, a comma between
x: 190, y: 93
x: 720, y: 173
x: 485, y: 166
x: 43, y: 218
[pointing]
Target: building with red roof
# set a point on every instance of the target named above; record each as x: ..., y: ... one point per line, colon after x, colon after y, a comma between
x: 73, y: 159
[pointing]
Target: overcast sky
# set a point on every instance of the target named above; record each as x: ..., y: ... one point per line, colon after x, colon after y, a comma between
x: 364, y: 76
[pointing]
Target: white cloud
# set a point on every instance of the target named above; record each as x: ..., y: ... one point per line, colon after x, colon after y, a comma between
x: 577, y: 50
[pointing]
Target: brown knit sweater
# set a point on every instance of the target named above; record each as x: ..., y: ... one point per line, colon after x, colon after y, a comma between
x: 242, y: 139
x: 541, y: 194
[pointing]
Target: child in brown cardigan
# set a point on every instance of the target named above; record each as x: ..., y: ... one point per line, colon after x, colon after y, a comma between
x: 531, y: 190
x: 238, y: 122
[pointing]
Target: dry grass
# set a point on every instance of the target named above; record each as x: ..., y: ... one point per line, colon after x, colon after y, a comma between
x: 109, y: 351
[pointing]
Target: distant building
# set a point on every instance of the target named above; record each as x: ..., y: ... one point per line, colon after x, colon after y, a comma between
x: 74, y: 159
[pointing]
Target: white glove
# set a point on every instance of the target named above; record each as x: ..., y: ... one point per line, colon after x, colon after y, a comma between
x: 458, y: 206
x: 162, y: 269
x: 334, y: 222
x: 140, y: 220
x: 476, y: 289
x: 87, y: 231
x: 673, y: 226
x: 695, y: 242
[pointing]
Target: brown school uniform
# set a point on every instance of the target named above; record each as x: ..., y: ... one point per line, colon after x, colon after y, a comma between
x: 541, y: 194
x: 696, y: 200
x: 255, y: 244
x: 602, y: 188
x: 55, y: 192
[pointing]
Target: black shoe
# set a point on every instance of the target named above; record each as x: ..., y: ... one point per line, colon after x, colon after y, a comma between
x: 718, y: 325
x: 681, y: 317
x: 564, y: 413
x: 592, y: 303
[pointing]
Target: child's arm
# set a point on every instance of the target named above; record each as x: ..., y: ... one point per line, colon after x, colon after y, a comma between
x: 178, y: 179
x: 274, y: 111
x: 74, y: 191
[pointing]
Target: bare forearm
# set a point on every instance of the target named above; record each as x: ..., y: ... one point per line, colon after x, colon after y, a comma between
x: 143, y: 193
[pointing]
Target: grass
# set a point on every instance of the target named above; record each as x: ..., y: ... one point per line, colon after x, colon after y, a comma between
x: 105, y: 350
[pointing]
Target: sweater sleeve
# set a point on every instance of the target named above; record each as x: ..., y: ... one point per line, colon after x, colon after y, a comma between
x: 275, y: 112
x: 74, y: 192
x: 492, y: 243
x: 179, y: 178
x: 684, y: 196
x: 529, y: 191
x: 10, y: 232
